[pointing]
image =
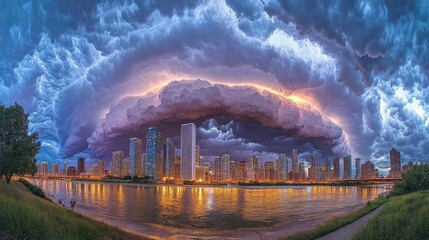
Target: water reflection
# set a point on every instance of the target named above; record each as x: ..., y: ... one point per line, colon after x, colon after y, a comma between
x: 199, y: 208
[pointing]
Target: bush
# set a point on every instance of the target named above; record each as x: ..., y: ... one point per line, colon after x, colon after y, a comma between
x: 33, y: 188
x: 414, y: 180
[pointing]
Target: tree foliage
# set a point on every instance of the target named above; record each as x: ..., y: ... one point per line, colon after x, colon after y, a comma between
x: 18, y: 148
x: 413, y: 180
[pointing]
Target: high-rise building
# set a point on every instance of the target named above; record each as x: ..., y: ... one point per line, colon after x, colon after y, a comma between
x: 135, y: 154
x: 301, y: 172
x: 282, y: 167
x: 143, y: 166
x: 169, y: 154
x: 101, y: 168
x: 207, y: 171
x: 126, y: 167
x: 71, y: 171
x: 43, y: 168
x: 337, y: 173
x: 407, y: 167
x: 312, y: 169
x: 199, y: 164
x: 395, y: 164
x: 295, y: 167
x: 153, y: 153
x: 94, y: 170
x: 242, y: 171
x: 64, y: 171
x: 254, y: 164
x: 368, y: 171
x: 224, y: 167
x: 80, y: 166
x: 177, y: 166
x: 269, y: 174
x: 357, y: 164
x: 231, y: 172
x: 347, y: 167
x: 217, y: 169
x: 188, y: 148
x: 116, y: 163
x: 55, y: 169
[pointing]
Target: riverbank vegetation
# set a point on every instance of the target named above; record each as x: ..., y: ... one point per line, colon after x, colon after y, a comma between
x: 33, y: 188
x: 24, y: 215
x: 338, y: 222
x: 413, y: 180
x: 404, y: 217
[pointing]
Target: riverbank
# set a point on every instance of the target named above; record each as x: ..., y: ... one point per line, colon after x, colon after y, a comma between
x: 24, y: 215
x: 338, y: 222
x: 404, y: 217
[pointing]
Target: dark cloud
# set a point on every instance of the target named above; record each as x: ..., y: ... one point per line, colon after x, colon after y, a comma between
x: 364, y: 63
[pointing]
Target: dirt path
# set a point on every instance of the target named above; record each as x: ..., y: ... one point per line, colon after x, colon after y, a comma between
x: 347, y: 232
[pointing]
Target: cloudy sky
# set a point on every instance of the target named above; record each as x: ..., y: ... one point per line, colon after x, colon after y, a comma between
x: 330, y: 78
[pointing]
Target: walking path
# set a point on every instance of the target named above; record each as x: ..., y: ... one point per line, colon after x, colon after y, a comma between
x: 347, y: 232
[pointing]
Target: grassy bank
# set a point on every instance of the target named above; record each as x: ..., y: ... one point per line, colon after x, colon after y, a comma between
x: 404, y: 217
x: 24, y: 215
x: 338, y: 222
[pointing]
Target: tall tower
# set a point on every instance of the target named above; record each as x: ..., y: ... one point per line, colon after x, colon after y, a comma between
x: 116, y: 163
x: 135, y: 154
x: 224, y: 165
x: 255, y: 168
x: 153, y: 153
x: 395, y: 164
x: 337, y: 168
x: 80, y: 166
x: 101, y: 167
x: 295, y: 167
x: 347, y: 167
x: 282, y: 168
x: 169, y: 154
x: 357, y: 163
x: 188, y: 148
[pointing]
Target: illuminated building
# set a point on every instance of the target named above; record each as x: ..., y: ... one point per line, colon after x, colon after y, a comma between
x: 94, y: 170
x: 55, y: 168
x: 217, y: 169
x: 101, y: 167
x: 206, y: 171
x: 242, y: 171
x: 80, y: 166
x: 269, y: 174
x: 301, y: 172
x: 250, y: 174
x: 395, y: 164
x: 177, y: 166
x: 43, y: 168
x: 224, y: 167
x: 153, y: 153
x: 337, y: 173
x: 71, y: 171
x: 188, y: 148
x: 64, y: 171
x: 143, y: 166
x: 201, y: 170
x: 231, y: 171
x: 312, y: 169
x: 255, y: 169
x: 368, y: 171
x: 295, y: 166
x: 116, y: 164
x: 347, y: 167
x: 282, y: 167
x: 169, y: 157
x: 125, y: 167
x: 357, y: 164
x: 135, y: 154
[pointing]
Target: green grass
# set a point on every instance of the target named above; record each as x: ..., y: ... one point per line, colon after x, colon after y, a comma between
x: 338, y: 222
x: 404, y: 217
x: 24, y: 215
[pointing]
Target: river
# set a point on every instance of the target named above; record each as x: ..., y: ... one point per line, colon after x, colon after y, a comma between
x: 177, y: 212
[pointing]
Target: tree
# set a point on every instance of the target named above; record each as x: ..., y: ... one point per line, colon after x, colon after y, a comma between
x: 17, y: 148
x: 413, y: 180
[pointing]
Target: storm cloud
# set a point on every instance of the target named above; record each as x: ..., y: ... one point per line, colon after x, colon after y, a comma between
x: 363, y: 67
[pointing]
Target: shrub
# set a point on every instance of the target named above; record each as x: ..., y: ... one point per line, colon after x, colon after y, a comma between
x: 413, y: 180
x: 33, y: 188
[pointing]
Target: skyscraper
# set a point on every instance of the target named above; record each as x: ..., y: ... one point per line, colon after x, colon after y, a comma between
x: 301, y: 172
x: 357, y: 163
x: 153, y: 153
x: 347, y: 167
x: 231, y: 172
x: 217, y: 169
x: 368, y: 171
x: 224, y: 167
x: 295, y: 167
x: 125, y: 167
x: 255, y: 169
x: 269, y: 171
x: 101, y: 167
x: 43, y: 168
x: 241, y: 171
x: 55, y: 169
x: 135, y: 155
x: 116, y: 163
x: 169, y: 154
x: 395, y: 164
x: 80, y: 166
x: 337, y: 174
x: 188, y: 148
x: 312, y: 169
x: 282, y: 167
